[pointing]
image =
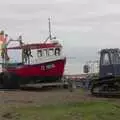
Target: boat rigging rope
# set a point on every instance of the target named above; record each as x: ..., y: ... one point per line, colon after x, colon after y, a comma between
x: 27, y: 54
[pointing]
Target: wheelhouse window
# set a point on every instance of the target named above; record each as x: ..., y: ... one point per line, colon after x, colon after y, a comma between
x: 39, y: 53
x: 45, y: 53
x: 51, y: 52
x: 57, y: 51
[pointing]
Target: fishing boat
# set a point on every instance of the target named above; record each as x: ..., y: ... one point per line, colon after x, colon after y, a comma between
x: 40, y: 62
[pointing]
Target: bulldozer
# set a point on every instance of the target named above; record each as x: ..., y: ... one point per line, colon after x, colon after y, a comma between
x: 108, y: 81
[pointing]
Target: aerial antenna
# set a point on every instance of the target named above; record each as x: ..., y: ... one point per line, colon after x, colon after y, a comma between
x: 50, y: 36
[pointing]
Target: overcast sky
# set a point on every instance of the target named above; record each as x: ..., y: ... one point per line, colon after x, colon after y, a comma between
x: 76, y: 23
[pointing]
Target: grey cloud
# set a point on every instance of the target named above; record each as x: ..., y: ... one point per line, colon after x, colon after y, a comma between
x: 26, y: 1
x: 71, y: 20
x: 30, y: 8
x: 104, y: 18
x: 113, y: 1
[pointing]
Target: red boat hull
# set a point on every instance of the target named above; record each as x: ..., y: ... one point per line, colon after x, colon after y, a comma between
x: 45, y: 72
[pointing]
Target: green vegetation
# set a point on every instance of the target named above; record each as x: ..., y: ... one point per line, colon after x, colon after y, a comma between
x: 101, y: 110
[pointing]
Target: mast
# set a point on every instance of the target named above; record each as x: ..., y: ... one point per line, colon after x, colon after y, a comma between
x: 50, y: 36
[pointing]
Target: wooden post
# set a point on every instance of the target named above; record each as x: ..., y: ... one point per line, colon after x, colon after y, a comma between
x: 69, y: 85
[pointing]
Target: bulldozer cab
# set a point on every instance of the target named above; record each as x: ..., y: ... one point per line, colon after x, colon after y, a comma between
x: 109, y: 63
